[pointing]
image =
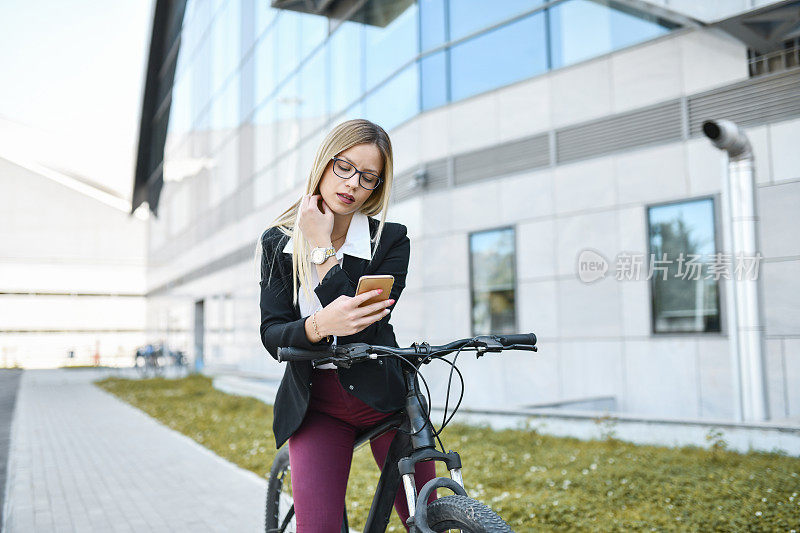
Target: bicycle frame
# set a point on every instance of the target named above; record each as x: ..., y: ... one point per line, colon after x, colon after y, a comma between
x: 405, y: 452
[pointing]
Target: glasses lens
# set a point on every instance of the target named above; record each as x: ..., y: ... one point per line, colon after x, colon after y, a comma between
x: 369, y: 180
x: 343, y: 169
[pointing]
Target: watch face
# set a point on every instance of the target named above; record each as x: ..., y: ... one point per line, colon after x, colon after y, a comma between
x: 317, y: 255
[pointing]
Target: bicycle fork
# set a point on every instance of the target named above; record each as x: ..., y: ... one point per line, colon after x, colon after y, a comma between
x: 422, y: 441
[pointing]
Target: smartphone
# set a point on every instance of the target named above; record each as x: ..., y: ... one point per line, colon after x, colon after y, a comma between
x: 369, y: 283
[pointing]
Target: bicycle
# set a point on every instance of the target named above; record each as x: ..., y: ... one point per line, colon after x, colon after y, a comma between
x: 149, y: 360
x: 413, y: 443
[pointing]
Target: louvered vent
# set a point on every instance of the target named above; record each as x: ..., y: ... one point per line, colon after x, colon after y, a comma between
x: 403, y: 186
x: 656, y: 124
x: 748, y: 103
x: 502, y: 159
x: 436, y: 175
x: 436, y: 178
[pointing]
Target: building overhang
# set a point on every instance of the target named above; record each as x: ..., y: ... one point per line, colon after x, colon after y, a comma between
x: 765, y: 29
x: 372, y: 12
x: 159, y: 76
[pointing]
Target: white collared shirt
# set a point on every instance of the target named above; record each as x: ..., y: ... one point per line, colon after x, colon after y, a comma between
x: 356, y: 244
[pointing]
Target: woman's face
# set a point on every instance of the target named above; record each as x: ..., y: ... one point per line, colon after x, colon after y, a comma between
x: 346, y: 196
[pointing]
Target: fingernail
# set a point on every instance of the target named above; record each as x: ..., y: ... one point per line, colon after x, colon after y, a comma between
x: 380, y: 291
x: 391, y: 302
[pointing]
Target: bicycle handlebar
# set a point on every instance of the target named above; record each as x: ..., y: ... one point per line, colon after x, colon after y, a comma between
x: 343, y: 355
x: 518, y: 338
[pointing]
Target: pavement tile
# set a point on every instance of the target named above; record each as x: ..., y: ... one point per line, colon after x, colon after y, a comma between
x: 81, y: 460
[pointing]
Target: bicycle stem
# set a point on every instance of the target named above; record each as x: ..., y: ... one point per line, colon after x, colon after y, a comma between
x: 416, y: 409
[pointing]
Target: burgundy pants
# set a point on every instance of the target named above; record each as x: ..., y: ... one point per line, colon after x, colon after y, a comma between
x: 321, y: 450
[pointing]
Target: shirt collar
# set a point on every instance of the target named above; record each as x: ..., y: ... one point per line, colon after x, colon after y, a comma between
x: 357, y: 242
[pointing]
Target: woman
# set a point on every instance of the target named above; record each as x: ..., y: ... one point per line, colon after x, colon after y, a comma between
x: 329, y: 235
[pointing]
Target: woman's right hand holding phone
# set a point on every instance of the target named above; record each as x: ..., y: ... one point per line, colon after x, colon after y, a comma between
x: 343, y: 316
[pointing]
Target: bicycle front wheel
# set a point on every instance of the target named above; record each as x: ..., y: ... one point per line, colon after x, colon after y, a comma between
x: 466, y: 514
x: 279, y: 515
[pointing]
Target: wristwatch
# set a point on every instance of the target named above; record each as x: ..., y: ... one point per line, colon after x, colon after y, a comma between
x: 320, y: 255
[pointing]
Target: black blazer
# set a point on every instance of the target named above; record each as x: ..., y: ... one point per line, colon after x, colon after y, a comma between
x: 379, y: 383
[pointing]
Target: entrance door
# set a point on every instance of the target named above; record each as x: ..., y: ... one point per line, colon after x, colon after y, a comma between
x: 199, y: 335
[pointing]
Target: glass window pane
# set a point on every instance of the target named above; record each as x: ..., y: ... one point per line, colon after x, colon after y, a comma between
x: 313, y: 30
x: 264, y: 124
x: 265, y: 66
x: 432, y: 23
x: 395, y: 101
x: 500, y: 57
x: 492, y: 259
x: 313, y: 106
x: 264, y: 15
x: 201, y: 86
x: 433, y: 70
x: 226, y: 38
x: 225, y: 112
x: 180, y: 112
x: 682, y: 249
x: 354, y: 111
x: 581, y: 29
x: 286, y: 112
x: 469, y: 16
x: 346, y: 59
x: 287, y: 41
x: 388, y: 48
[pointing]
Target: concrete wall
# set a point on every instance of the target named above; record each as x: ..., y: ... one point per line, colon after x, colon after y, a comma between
x: 71, y: 273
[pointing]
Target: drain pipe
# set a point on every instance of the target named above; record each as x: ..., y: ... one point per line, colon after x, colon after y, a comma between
x: 740, y: 225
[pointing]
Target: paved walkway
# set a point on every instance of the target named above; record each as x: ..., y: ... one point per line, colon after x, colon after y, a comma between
x: 81, y: 460
x: 9, y: 381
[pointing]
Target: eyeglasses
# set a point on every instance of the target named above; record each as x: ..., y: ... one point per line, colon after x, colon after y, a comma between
x: 345, y: 170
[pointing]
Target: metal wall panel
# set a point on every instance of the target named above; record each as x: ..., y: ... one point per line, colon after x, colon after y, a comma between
x: 748, y: 103
x: 652, y: 125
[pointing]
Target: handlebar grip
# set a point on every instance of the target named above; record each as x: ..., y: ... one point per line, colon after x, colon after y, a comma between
x: 518, y: 338
x: 291, y: 353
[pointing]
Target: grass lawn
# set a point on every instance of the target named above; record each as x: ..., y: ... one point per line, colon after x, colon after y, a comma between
x: 534, y: 481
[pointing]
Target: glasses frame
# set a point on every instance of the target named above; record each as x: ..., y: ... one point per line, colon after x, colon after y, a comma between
x: 356, y: 171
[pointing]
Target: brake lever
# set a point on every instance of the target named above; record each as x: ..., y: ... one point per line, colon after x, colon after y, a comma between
x: 344, y: 357
x: 524, y: 347
x: 486, y: 343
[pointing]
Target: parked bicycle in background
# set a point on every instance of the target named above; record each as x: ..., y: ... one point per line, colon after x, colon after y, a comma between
x: 152, y: 359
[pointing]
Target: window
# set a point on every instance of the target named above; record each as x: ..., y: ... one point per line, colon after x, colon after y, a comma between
x: 469, y: 16
x: 682, y: 267
x: 493, y: 278
x: 779, y: 60
x: 346, y: 65
x: 581, y: 29
x: 431, y: 23
x: 226, y: 39
x: 499, y: 57
x: 387, y: 48
x: 395, y: 101
x: 433, y: 75
x: 312, y: 107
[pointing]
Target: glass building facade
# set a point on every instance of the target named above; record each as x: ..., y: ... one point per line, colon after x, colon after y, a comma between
x: 255, y: 88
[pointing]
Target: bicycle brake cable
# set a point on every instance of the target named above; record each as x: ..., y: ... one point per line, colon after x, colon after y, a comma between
x: 417, y: 373
x: 445, y: 419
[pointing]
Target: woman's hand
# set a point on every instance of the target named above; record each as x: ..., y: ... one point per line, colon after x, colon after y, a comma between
x: 316, y: 225
x: 343, y: 316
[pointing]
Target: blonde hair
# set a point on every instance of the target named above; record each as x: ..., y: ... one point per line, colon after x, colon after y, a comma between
x: 339, y: 139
